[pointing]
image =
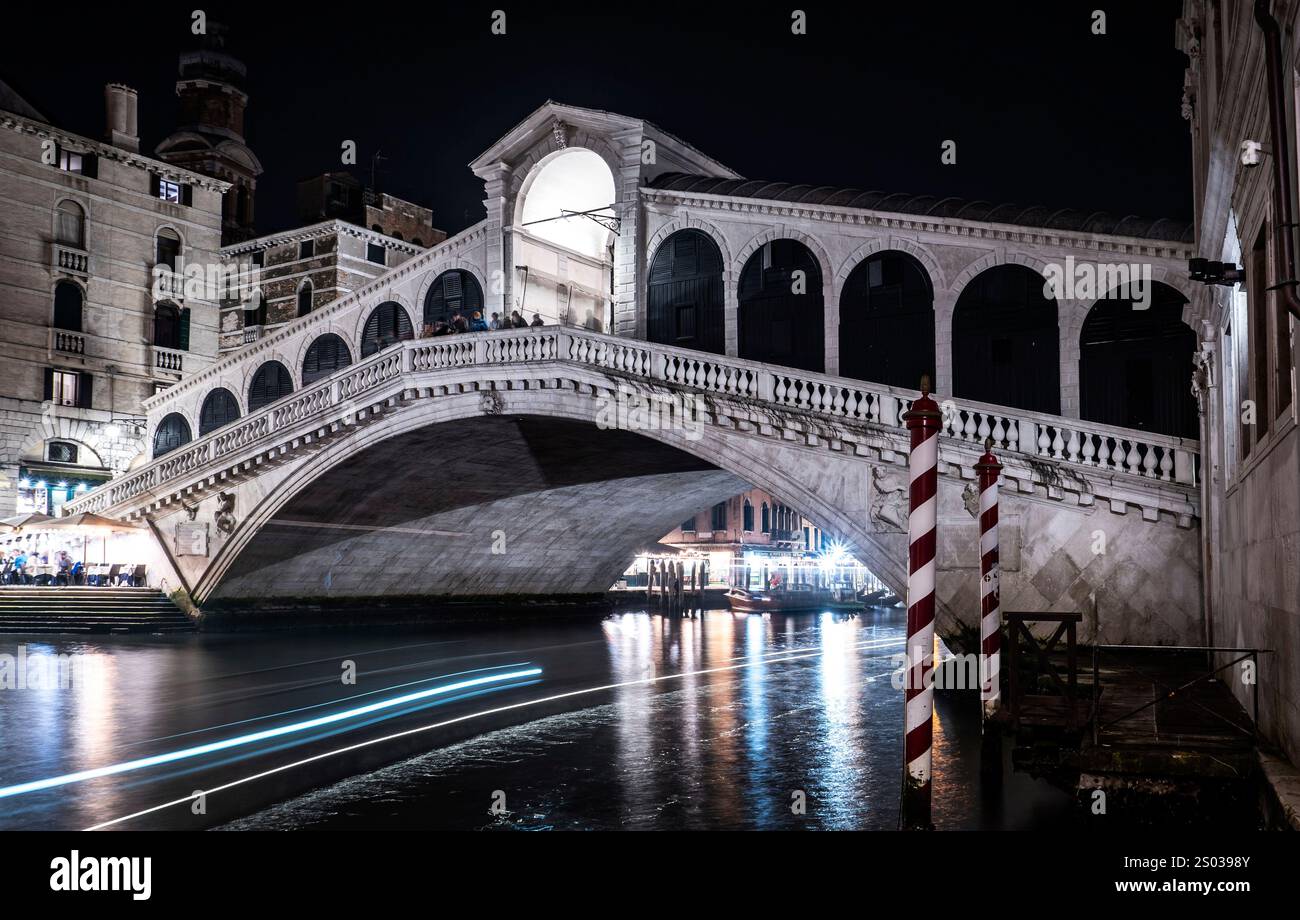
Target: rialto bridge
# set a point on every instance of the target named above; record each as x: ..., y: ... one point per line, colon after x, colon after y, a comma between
x: 349, y: 456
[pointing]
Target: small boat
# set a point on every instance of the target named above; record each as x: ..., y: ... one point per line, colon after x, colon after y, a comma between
x: 781, y: 600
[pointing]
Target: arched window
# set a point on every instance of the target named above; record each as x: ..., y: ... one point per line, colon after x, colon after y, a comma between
x: 220, y: 408
x: 767, y: 518
x: 304, y: 299
x: 172, y: 432
x: 327, y: 354
x: 67, y: 306
x: 453, y: 291
x: 887, y: 321
x: 748, y: 516
x: 168, y: 248
x: 685, y: 299
x: 1005, y: 348
x: 387, y: 324
x: 1135, y: 364
x: 271, y: 382
x: 70, y: 224
x: 781, y: 307
x: 167, y: 322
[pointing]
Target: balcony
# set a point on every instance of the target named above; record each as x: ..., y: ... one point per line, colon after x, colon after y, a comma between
x: 168, y: 284
x: 69, y: 260
x: 169, y: 361
x: 64, y: 342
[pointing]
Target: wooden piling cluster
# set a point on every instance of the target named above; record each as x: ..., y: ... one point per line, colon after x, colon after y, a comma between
x: 672, y: 588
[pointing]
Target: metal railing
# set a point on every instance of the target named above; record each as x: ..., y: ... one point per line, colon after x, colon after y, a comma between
x: 1168, y: 692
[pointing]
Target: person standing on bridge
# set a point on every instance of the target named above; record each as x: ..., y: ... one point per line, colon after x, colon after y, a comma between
x: 495, y: 323
x: 459, y: 323
x: 476, y: 323
x: 537, y: 320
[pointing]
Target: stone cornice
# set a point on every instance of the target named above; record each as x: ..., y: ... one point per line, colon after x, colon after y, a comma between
x: 973, y: 230
x: 316, y: 231
x: 109, y: 152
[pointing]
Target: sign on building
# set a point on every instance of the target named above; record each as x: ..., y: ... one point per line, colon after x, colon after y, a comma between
x: 191, y: 539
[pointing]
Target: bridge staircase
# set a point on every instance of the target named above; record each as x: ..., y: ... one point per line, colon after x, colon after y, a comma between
x: 88, y: 610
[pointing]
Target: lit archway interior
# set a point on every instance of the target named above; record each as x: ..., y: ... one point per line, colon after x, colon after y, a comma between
x: 564, y: 266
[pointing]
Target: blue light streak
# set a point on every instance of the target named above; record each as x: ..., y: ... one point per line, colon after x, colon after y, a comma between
x: 240, y: 740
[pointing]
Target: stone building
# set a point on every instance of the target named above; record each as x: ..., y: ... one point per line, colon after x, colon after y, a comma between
x: 349, y: 236
x: 98, y: 241
x: 1244, y: 157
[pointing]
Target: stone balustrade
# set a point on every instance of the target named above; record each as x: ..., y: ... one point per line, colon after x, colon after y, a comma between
x: 1087, y: 448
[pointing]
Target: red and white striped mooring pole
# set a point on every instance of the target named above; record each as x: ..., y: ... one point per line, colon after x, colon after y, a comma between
x: 922, y: 420
x: 988, y: 469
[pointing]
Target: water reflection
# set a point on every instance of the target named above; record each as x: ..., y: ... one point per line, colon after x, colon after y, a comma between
x: 639, y: 721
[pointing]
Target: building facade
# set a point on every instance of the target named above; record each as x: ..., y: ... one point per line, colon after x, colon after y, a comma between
x: 1244, y: 194
x: 98, y: 244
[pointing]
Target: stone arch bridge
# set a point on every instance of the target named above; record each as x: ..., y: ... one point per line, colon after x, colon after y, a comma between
x: 523, y: 463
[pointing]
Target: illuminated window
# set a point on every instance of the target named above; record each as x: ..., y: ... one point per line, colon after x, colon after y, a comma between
x: 64, y: 388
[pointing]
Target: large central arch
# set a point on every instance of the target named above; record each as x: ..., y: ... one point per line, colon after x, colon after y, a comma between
x: 416, y: 503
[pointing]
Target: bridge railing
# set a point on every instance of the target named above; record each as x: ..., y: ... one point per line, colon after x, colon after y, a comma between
x: 1047, y: 437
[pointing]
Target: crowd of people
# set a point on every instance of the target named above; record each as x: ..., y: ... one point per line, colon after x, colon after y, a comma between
x: 476, y: 323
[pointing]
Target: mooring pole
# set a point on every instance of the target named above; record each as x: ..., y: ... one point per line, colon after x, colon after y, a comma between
x: 922, y: 421
x: 988, y: 468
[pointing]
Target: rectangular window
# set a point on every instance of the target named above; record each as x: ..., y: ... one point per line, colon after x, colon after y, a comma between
x: 688, y: 526
x: 376, y: 253
x: 69, y: 161
x: 64, y: 388
x: 720, y: 516
x: 306, y: 249
x: 169, y: 191
x: 1259, y: 332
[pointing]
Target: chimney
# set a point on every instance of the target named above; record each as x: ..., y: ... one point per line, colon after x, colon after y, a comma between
x: 120, y: 111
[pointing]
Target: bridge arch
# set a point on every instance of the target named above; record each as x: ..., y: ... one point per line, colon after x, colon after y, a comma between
x: 777, y: 323
x: 1006, y: 341
x: 725, y: 465
x: 271, y: 381
x: 327, y: 353
x: 453, y: 290
x: 886, y: 328
x: 172, y: 432
x: 387, y: 323
x: 219, y: 408
x: 1135, y: 363
x: 686, y: 292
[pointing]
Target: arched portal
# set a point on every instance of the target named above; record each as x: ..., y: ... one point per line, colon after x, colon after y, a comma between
x: 271, y: 382
x: 1135, y: 364
x: 387, y: 324
x: 565, y: 226
x: 887, y: 321
x: 454, y: 291
x: 327, y: 354
x: 172, y: 432
x: 781, y: 307
x: 685, y: 293
x: 220, y: 408
x: 1005, y: 345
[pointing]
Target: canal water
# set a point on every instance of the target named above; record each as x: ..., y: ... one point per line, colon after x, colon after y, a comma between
x: 633, y: 721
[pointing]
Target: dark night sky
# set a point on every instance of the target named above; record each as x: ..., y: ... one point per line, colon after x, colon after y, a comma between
x: 1042, y: 110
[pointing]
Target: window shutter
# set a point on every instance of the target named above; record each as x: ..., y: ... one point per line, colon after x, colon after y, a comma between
x: 84, y: 387
x: 187, y: 195
x: 183, y: 337
x: 49, y: 383
x: 58, y: 156
x: 153, y: 185
x: 90, y: 165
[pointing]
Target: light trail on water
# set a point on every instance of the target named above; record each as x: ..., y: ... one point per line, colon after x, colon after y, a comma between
x: 254, y: 737
x: 774, y: 658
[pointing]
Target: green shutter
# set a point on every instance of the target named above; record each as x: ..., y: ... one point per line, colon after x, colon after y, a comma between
x: 183, y: 338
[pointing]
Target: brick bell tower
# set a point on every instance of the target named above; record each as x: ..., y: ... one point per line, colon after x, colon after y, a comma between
x: 209, y: 138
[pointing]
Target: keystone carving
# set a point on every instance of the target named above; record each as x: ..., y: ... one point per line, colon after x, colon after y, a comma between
x: 888, y: 513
